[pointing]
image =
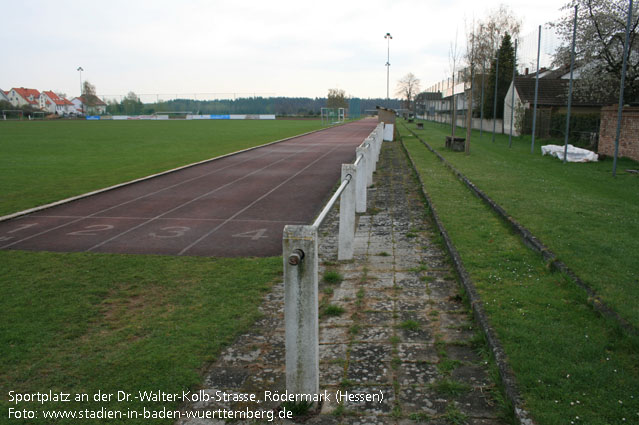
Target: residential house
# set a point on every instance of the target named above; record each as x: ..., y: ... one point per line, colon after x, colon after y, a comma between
x: 4, y: 96
x: 22, y: 97
x: 552, y: 99
x: 55, y: 104
x: 89, y: 105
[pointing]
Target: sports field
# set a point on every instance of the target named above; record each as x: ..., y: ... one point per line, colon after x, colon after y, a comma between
x: 42, y: 162
x: 83, y: 322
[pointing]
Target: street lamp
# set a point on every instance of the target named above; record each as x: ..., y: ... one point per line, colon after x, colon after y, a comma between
x: 82, y: 102
x: 388, y: 37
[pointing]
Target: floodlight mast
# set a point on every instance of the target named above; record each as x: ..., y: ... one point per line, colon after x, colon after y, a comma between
x: 388, y: 37
x: 82, y: 103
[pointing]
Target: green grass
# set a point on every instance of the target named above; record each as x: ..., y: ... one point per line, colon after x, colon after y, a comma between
x: 333, y: 277
x: 331, y: 310
x: 42, y: 162
x: 569, y: 361
x: 81, y: 323
x: 583, y: 214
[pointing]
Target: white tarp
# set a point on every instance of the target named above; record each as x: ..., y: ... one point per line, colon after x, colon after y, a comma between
x: 573, y: 154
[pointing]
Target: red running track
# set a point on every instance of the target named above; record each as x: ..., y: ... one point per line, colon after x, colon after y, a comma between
x: 234, y: 206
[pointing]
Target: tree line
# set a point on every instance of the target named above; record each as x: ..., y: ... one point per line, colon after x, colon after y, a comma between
x: 281, y: 106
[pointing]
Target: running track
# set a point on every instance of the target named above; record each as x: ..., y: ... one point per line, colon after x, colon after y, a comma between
x: 233, y: 206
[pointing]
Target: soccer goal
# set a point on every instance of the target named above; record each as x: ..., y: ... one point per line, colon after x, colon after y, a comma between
x: 332, y: 115
x: 37, y: 116
x: 12, y: 114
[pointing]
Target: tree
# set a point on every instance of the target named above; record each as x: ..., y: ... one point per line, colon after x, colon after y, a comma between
x: 131, y: 104
x: 336, y: 99
x: 506, y: 55
x: 488, y: 33
x: 601, y: 27
x: 407, y: 88
x: 88, y: 88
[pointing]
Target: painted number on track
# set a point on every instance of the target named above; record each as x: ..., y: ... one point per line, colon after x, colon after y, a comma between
x: 22, y: 227
x: 253, y: 234
x: 171, y: 232
x: 17, y: 229
x: 92, y: 230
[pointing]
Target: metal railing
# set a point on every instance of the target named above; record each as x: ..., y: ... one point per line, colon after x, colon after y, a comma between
x: 301, y: 263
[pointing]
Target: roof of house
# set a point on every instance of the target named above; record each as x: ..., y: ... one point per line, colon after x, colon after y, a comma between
x: 55, y: 98
x: 551, y: 92
x: 25, y: 93
x: 430, y: 96
x: 92, y: 100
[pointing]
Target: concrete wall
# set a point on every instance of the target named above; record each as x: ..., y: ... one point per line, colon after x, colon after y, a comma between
x: 629, y: 138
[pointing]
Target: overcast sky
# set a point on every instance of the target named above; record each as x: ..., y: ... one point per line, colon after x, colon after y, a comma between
x: 268, y: 47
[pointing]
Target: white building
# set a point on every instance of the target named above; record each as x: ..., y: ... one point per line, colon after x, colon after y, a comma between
x: 21, y: 97
x: 55, y: 104
x: 4, y: 96
x: 92, y: 106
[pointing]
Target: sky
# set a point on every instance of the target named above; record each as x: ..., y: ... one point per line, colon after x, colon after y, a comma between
x: 220, y: 49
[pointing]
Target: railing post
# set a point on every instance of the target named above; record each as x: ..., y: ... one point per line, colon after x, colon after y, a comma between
x: 301, y: 309
x: 370, y: 161
x: 347, y: 214
x: 360, y: 181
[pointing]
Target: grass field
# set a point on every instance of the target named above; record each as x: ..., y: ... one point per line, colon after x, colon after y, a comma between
x: 583, y: 214
x: 80, y: 323
x: 572, y: 365
x: 42, y: 162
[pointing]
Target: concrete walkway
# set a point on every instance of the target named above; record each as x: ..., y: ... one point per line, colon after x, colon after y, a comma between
x: 393, y: 329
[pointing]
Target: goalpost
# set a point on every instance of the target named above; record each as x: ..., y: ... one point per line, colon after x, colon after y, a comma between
x: 12, y: 114
x: 37, y: 116
x: 332, y: 115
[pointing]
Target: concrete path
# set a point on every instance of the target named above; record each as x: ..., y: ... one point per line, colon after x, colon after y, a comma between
x: 394, y: 328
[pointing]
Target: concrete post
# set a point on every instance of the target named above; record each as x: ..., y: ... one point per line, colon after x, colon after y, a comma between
x: 301, y: 309
x: 370, y: 161
x: 360, y: 182
x: 347, y: 215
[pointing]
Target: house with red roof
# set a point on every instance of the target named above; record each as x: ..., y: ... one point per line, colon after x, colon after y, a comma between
x: 21, y: 97
x: 51, y: 102
x: 89, y: 104
x: 4, y: 96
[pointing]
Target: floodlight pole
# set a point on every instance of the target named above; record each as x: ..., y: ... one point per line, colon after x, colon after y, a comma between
x: 623, y: 82
x: 572, y: 66
x: 388, y: 37
x: 81, y: 103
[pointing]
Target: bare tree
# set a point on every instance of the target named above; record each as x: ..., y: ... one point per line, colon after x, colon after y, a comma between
x: 407, y: 88
x: 336, y: 99
x: 488, y: 33
x: 454, y: 56
x: 88, y: 88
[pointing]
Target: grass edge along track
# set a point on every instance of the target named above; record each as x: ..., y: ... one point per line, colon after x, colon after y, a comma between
x: 571, y: 364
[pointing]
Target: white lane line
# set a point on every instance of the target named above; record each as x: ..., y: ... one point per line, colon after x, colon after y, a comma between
x: 253, y: 203
x: 193, y: 200
x: 106, y: 217
x: 95, y: 214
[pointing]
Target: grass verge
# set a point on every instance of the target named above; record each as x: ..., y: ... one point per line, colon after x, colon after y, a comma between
x: 43, y: 162
x: 83, y: 323
x: 583, y: 214
x: 571, y: 364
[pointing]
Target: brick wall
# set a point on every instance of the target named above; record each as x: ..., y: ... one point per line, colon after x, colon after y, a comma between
x: 629, y: 138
